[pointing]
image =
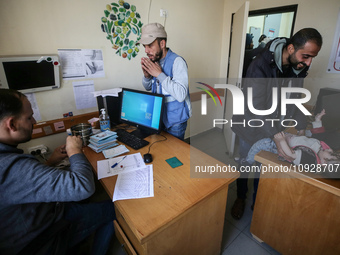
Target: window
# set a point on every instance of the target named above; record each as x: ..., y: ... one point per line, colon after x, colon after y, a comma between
x: 272, y: 22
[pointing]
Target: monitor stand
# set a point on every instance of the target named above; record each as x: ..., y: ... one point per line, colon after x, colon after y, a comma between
x: 142, y: 133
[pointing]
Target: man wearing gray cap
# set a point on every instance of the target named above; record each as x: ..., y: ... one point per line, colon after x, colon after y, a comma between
x: 166, y: 73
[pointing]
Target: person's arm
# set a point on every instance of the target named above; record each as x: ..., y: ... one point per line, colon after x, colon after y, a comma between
x: 318, y: 131
x: 283, y: 148
x: 301, y: 132
x: 57, y: 156
x: 178, y: 85
x: 319, y: 116
x: 265, y: 144
x: 42, y: 183
x: 260, y: 78
x: 317, y: 123
x: 74, y: 145
x: 147, y: 83
x: 147, y: 78
x: 149, y: 68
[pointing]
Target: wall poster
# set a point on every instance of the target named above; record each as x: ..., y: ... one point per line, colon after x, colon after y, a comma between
x: 122, y: 26
x: 334, y: 59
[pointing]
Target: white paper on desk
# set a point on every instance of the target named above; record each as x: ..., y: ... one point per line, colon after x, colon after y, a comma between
x: 82, y: 94
x: 108, y: 92
x: 131, y: 162
x: 134, y: 184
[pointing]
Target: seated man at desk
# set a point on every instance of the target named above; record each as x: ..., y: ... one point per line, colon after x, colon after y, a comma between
x: 38, y: 215
x: 166, y: 73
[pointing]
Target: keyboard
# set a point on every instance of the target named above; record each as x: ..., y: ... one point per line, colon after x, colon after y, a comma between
x: 130, y: 139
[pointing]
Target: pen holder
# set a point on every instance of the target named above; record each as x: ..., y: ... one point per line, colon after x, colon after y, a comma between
x: 84, y: 130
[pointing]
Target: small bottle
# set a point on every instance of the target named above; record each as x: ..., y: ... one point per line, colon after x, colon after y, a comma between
x: 104, y: 121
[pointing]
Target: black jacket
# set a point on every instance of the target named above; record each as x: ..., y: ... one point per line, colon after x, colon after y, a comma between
x: 262, y: 76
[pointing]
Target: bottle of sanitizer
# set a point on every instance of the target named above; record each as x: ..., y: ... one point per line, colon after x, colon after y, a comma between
x: 104, y: 120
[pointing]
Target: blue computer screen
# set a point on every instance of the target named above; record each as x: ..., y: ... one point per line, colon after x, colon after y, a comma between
x: 142, y: 108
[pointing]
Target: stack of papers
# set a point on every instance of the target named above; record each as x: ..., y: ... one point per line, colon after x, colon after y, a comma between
x: 108, y: 92
x: 134, y: 184
x: 103, y: 141
x: 116, y: 151
x: 135, y: 179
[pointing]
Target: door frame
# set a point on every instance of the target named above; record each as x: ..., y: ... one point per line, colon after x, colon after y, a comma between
x: 267, y: 11
x: 274, y: 10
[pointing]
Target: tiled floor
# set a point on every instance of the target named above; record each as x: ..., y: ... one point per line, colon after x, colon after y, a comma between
x: 237, y: 239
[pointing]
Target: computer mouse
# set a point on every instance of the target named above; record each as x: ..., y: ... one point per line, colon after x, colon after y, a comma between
x: 147, y: 158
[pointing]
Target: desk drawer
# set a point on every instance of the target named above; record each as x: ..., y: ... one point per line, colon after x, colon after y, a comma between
x: 128, y: 233
x: 124, y: 241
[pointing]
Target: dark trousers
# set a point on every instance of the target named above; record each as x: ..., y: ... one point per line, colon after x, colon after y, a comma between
x: 242, y: 181
x: 89, y: 218
x: 80, y: 221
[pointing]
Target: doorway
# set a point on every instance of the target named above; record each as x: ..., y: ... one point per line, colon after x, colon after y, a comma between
x: 272, y: 22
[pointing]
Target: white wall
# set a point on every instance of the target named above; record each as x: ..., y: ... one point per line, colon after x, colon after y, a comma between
x: 42, y: 27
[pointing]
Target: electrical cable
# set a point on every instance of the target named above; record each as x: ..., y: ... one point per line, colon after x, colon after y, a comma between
x: 149, y: 11
x: 157, y: 142
x: 43, y: 157
x: 128, y: 127
x: 164, y: 21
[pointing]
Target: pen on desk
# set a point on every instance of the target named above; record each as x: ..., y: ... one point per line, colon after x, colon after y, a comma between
x: 115, y: 164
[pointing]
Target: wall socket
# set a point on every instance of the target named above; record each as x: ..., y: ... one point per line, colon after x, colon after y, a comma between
x: 163, y: 13
x: 38, y: 150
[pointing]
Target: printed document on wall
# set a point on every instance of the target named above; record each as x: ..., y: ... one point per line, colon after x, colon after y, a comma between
x: 82, y: 94
x: 81, y: 63
x: 334, y: 58
x: 34, y: 105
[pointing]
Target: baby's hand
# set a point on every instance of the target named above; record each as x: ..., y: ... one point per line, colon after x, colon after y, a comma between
x: 319, y: 115
x: 279, y: 136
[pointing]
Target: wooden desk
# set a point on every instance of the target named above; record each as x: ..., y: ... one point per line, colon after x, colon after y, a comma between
x: 295, y: 213
x: 185, y: 216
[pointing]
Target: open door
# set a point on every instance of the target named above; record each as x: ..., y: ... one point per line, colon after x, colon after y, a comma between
x: 237, y: 48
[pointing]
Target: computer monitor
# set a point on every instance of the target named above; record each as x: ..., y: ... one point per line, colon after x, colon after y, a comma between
x: 31, y: 73
x: 143, y: 110
x: 331, y: 104
x: 322, y: 93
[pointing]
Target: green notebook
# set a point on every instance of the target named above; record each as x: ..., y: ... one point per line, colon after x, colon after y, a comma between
x: 174, y: 162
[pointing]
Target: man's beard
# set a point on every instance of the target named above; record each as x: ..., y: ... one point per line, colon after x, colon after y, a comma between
x: 294, y: 63
x: 157, y: 56
x: 27, y: 134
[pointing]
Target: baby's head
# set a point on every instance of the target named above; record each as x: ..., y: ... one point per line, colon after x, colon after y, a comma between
x: 328, y: 156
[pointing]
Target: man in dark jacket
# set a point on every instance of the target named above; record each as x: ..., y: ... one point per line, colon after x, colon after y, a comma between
x: 248, y: 53
x: 37, y: 212
x: 283, y: 63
